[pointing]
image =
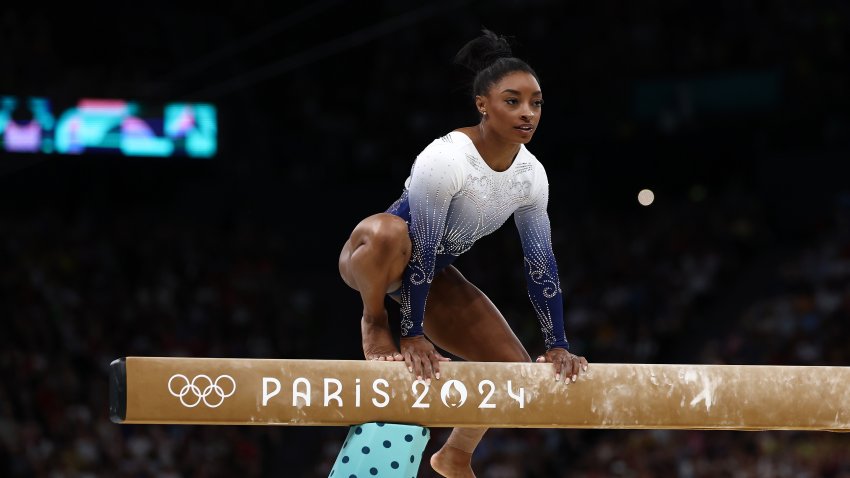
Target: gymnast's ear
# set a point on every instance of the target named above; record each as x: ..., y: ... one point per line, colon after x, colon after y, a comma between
x: 481, y: 104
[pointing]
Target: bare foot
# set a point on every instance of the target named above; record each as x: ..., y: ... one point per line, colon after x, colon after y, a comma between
x: 452, y: 462
x: 378, y: 343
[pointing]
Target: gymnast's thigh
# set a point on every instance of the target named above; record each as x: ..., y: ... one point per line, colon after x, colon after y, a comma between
x: 461, y: 319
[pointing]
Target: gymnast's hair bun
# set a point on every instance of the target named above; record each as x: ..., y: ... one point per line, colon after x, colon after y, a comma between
x: 482, y: 51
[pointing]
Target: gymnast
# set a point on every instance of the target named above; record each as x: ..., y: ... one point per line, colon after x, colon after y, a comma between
x: 462, y: 187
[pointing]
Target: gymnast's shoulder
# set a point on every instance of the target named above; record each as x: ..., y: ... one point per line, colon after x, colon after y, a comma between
x: 452, y: 143
x: 447, y: 151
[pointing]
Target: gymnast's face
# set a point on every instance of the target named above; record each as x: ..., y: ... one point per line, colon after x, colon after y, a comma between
x: 513, y: 107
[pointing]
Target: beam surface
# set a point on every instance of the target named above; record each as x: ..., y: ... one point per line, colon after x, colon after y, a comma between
x: 228, y: 391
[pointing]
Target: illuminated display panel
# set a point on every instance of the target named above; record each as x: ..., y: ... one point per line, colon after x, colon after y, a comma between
x: 112, y: 126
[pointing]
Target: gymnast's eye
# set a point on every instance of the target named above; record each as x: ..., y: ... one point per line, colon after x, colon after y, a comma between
x: 511, y: 101
x: 538, y: 103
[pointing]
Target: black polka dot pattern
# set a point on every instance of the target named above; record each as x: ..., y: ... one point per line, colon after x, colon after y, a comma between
x: 373, y: 449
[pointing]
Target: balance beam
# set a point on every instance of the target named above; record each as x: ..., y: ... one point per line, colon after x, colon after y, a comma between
x: 230, y: 391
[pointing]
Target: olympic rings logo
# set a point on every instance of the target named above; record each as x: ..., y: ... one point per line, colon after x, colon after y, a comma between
x: 199, y: 388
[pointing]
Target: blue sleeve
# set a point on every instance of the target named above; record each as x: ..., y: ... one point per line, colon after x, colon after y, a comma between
x: 434, y: 180
x: 541, y: 269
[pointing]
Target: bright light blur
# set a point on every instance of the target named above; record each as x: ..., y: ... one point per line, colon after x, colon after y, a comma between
x: 645, y: 197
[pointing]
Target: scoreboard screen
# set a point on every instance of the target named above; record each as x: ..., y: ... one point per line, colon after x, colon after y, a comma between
x: 111, y: 126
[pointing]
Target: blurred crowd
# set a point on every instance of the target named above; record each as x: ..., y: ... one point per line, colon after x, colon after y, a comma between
x: 80, y: 291
x: 744, y: 258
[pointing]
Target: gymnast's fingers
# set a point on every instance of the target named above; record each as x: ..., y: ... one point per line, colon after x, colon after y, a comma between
x: 557, y: 358
x: 425, y: 370
x: 419, y: 364
x: 436, y: 358
x: 427, y: 366
x: 575, y: 367
x: 584, y: 365
x: 412, y: 366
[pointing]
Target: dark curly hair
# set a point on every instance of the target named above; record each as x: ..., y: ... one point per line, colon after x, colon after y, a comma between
x: 490, y: 58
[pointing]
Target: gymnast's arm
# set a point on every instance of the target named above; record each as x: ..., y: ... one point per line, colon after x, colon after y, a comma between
x: 434, y: 180
x: 544, y: 285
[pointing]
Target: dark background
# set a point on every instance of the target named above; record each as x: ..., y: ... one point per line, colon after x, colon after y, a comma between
x: 735, y: 113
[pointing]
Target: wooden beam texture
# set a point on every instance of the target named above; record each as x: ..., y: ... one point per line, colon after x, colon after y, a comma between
x: 228, y: 391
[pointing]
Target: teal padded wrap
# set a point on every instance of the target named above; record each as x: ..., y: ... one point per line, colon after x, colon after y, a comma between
x: 386, y: 450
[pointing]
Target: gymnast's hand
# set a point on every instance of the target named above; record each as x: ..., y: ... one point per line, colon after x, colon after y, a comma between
x: 567, y: 365
x: 421, y: 357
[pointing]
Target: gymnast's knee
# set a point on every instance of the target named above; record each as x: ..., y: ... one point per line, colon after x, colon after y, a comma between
x: 389, y: 234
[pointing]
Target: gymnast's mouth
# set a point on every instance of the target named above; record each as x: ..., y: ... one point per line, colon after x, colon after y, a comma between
x: 527, y: 127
